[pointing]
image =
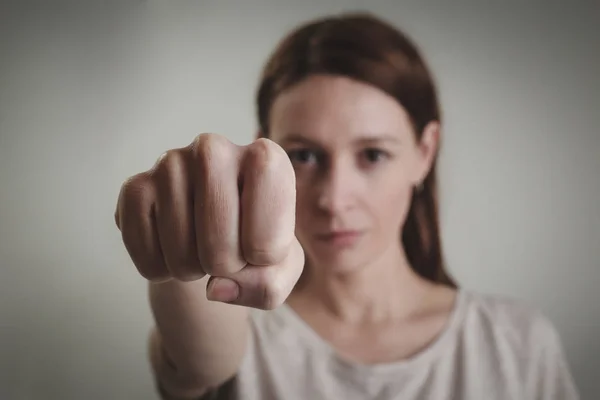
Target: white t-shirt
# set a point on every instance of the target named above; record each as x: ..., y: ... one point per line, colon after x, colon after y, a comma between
x: 492, y: 348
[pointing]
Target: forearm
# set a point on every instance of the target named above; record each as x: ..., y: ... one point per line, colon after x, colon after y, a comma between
x: 197, y: 344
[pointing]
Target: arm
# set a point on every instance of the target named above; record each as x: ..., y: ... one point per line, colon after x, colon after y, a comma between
x: 180, y: 222
x: 196, y: 344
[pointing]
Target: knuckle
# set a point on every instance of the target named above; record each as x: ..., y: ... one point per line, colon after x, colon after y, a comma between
x: 209, y: 145
x: 169, y: 160
x: 210, y: 150
x: 136, y: 190
x: 204, y: 139
x: 170, y: 171
x: 262, y: 154
x: 200, y: 145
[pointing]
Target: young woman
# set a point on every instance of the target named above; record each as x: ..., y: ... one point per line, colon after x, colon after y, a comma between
x: 308, y: 264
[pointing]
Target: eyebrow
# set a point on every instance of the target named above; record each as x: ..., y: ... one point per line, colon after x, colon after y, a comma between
x: 296, y: 138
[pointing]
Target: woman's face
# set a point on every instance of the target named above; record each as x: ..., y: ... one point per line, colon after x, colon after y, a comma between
x: 357, y: 161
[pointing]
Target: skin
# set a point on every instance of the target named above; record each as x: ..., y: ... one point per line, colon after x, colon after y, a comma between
x: 218, y: 228
x: 357, y: 160
x: 180, y: 222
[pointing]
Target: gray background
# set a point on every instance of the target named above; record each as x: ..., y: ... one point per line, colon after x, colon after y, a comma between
x: 91, y: 93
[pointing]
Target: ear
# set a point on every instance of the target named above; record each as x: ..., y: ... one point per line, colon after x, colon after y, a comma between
x: 427, y: 149
x: 259, y: 134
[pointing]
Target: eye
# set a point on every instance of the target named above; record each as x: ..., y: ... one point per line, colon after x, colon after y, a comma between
x: 302, y: 156
x: 373, y: 155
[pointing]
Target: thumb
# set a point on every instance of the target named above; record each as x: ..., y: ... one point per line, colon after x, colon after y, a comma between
x: 258, y: 286
x: 222, y: 289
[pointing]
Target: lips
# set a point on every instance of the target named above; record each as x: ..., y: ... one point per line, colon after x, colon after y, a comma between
x: 340, y: 238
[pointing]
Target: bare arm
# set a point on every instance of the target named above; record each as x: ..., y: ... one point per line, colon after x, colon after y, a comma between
x: 197, y: 344
x: 210, y: 209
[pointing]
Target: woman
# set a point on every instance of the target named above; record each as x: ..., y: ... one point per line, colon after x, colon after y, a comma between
x: 347, y: 270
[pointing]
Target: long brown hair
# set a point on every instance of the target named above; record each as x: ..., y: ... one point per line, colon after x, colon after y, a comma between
x: 363, y: 47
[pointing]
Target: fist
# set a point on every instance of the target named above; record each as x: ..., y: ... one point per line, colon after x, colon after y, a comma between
x: 215, y: 208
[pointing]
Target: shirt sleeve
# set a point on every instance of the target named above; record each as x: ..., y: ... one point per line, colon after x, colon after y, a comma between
x: 552, y: 378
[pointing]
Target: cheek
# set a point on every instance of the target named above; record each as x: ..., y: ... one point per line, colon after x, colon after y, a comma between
x: 391, y: 206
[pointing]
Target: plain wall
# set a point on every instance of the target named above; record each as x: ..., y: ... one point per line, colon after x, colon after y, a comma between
x: 93, y: 92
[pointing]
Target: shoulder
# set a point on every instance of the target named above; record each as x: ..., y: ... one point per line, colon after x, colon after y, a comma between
x: 520, y: 335
x: 514, y: 322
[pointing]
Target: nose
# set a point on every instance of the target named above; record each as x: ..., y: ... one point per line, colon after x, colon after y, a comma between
x: 334, y: 194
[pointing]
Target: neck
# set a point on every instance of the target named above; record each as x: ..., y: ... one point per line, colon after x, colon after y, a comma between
x: 385, y: 290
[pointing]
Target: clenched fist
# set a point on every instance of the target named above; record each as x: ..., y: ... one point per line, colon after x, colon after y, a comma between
x: 219, y: 209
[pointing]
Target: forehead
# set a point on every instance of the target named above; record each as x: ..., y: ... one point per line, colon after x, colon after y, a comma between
x: 332, y: 109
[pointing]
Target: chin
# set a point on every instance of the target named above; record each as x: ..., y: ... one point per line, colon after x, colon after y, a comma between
x: 342, y: 258
x: 338, y: 261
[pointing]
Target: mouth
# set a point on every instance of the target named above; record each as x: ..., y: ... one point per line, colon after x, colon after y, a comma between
x: 340, y: 238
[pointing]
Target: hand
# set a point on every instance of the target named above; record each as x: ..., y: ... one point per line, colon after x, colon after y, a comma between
x: 219, y: 209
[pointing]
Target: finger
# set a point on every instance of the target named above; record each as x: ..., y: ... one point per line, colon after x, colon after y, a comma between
x: 262, y: 287
x: 268, y: 202
x: 136, y: 220
x: 216, y: 203
x: 175, y: 216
